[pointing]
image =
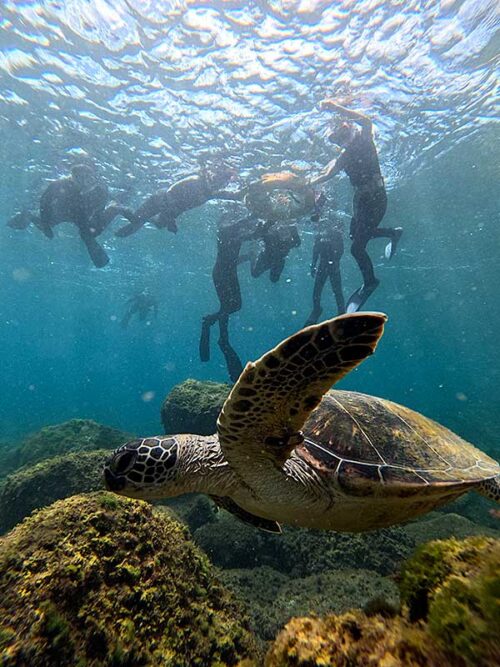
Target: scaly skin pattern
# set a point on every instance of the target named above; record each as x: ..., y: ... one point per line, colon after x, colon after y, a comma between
x: 365, y: 463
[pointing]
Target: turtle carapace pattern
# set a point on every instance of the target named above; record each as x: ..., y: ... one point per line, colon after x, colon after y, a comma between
x: 290, y: 450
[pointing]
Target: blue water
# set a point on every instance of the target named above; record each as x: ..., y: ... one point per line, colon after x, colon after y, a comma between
x: 145, y: 92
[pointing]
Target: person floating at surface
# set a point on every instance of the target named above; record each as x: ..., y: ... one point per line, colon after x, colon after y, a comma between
x: 166, y: 205
x: 327, y: 251
x: 359, y: 160
x: 80, y: 199
x: 278, y: 239
x: 141, y: 304
x: 230, y: 238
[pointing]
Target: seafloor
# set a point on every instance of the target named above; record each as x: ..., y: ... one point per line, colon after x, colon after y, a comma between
x: 90, y: 579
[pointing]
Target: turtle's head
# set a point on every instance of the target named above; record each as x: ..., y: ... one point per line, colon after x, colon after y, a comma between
x: 166, y: 466
x: 144, y: 469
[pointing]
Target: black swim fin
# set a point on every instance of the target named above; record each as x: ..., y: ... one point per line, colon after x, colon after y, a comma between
x: 97, y: 253
x: 205, y: 340
x: 391, y: 247
x: 360, y: 296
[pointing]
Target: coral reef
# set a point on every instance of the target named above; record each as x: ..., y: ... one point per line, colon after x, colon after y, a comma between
x: 100, y: 580
x: 272, y: 598
x: 193, y: 407
x: 300, y: 552
x: 353, y: 640
x: 440, y: 526
x: 450, y: 617
x: 76, y: 435
x: 454, y: 585
x: 33, y: 487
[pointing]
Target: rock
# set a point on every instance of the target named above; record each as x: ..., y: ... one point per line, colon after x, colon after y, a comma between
x: 76, y: 435
x: 101, y: 580
x: 439, y: 526
x: 272, y: 598
x: 300, y: 552
x: 193, y: 407
x: 36, y: 486
x: 454, y: 586
x: 353, y: 640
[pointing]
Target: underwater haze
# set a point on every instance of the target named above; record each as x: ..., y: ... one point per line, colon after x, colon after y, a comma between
x: 146, y: 92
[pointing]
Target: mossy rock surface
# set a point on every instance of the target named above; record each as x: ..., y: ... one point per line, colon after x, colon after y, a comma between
x: 301, y: 552
x: 272, y: 598
x: 353, y: 640
x: 441, y: 526
x: 100, y: 580
x: 39, y: 485
x: 454, y: 586
x: 193, y: 407
x: 76, y: 435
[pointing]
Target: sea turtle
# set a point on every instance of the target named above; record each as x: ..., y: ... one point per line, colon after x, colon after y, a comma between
x: 288, y: 450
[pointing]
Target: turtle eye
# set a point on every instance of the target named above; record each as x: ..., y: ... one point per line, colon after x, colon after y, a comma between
x: 124, y: 462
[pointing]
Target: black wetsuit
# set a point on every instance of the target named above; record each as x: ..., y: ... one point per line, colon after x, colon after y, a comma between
x: 279, y: 239
x: 327, y: 252
x: 225, y: 276
x: 166, y: 205
x: 360, y: 162
x: 64, y: 201
x: 142, y: 304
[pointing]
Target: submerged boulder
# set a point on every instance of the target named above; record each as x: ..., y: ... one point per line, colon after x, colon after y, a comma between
x: 101, y: 580
x: 450, y: 617
x: 39, y: 485
x: 193, y: 407
x: 76, y: 435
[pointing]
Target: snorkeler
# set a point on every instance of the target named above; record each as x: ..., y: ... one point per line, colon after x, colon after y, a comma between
x: 278, y: 239
x: 327, y: 251
x: 141, y: 304
x: 166, y: 205
x: 359, y: 160
x: 230, y: 238
x: 80, y: 199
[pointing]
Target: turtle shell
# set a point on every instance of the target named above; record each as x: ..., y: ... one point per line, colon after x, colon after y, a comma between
x: 363, y: 440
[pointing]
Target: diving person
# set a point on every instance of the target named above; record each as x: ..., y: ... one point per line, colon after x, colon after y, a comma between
x: 81, y: 199
x: 359, y: 160
x: 166, y: 205
x: 325, y: 265
x: 141, y: 304
x: 278, y: 240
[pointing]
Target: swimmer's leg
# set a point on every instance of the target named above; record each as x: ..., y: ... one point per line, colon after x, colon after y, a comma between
x: 319, y: 283
x: 336, y: 284
x: 151, y: 207
x: 277, y: 269
x: 97, y: 253
x: 370, y: 282
x: 233, y: 362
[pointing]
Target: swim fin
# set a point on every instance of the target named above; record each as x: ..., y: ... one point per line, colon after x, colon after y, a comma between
x: 391, y: 247
x: 97, y: 253
x: 360, y: 296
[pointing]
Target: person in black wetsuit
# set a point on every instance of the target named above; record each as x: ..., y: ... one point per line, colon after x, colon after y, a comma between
x: 166, y: 205
x: 141, y: 304
x: 325, y: 265
x: 80, y: 199
x: 230, y: 237
x: 359, y: 160
x: 278, y: 239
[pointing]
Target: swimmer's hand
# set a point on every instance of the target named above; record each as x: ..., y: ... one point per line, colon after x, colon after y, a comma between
x: 330, y: 104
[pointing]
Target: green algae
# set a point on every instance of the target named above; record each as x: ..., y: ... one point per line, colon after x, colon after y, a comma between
x: 193, y: 407
x: 90, y: 582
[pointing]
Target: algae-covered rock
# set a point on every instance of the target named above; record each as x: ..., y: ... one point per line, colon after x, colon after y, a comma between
x: 301, y: 552
x: 39, y: 485
x: 193, y: 407
x: 353, y: 640
x: 101, y: 580
x: 440, y: 526
x: 272, y: 598
x: 454, y: 585
x: 76, y: 435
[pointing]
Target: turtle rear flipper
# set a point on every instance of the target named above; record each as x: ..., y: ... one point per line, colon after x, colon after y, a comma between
x: 490, y: 488
x: 263, y: 415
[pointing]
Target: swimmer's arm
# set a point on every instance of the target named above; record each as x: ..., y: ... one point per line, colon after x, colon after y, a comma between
x: 356, y: 116
x: 331, y: 170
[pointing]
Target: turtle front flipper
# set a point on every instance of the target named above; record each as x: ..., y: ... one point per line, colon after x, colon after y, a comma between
x: 247, y: 517
x: 263, y: 415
